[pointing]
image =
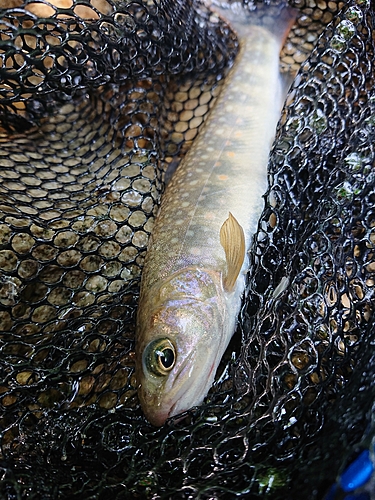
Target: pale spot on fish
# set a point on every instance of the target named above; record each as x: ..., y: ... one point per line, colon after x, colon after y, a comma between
x: 174, y: 240
x: 196, y: 251
x: 209, y: 215
x: 231, y: 154
x: 185, y: 204
x: 190, y: 233
x: 193, y: 183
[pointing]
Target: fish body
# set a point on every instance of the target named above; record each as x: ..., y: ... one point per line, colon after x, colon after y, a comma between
x: 194, y: 274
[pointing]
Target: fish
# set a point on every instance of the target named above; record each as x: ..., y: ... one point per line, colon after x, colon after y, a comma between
x: 194, y: 272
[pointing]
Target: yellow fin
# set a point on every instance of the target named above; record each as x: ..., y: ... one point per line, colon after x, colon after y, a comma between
x: 232, y: 239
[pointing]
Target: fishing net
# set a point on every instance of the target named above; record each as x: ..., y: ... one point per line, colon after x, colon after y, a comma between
x: 99, y: 102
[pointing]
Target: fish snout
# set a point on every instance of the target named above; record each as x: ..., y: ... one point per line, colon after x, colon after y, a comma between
x: 158, y: 417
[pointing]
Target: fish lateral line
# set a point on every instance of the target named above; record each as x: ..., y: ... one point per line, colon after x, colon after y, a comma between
x: 232, y: 239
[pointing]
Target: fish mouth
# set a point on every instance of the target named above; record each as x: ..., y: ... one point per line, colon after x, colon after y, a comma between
x: 197, y: 396
x: 173, y: 412
x: 159, y: 417
x: 159, y: 408
x: 182, y: 368
x: 176, y: 392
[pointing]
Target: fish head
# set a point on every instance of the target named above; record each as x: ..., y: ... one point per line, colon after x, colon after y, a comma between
x: 179, y: 346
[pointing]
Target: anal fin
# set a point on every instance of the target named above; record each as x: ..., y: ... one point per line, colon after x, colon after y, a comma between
x: 232, y: 239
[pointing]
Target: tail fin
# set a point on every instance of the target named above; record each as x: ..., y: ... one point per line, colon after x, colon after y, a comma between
x: 277, y: 19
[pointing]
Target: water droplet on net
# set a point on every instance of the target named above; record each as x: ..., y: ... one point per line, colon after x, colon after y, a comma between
x: 354, y: 14
x: 353, y: 162
x: 338, y: 44
x: 346, y: 30
x: 318, y: 121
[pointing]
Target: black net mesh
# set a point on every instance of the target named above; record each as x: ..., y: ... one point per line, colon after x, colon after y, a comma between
x: 98, y: 101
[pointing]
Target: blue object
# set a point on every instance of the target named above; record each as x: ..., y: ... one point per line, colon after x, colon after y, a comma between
x: 357, y: 473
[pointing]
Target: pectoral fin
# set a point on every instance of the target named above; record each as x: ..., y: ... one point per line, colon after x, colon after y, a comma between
x: 232, y: 239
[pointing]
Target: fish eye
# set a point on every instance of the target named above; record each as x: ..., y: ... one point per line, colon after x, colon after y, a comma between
x: 160, y: 356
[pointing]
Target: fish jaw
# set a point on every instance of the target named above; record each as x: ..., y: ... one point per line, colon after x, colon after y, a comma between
x: 160, y: 403
x: 199, y: 326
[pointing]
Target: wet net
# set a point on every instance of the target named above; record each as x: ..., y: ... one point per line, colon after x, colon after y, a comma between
x: 99, y: 102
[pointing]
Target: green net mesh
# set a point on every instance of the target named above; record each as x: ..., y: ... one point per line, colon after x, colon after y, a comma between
x: 99, y: 102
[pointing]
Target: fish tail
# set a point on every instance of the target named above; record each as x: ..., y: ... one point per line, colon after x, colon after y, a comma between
x: 277, y: 19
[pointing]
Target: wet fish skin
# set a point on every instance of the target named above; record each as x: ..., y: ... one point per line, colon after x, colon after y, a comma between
x: 187, y: 312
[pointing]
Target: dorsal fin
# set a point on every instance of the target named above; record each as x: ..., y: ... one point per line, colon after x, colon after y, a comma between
x: 232, y: 239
